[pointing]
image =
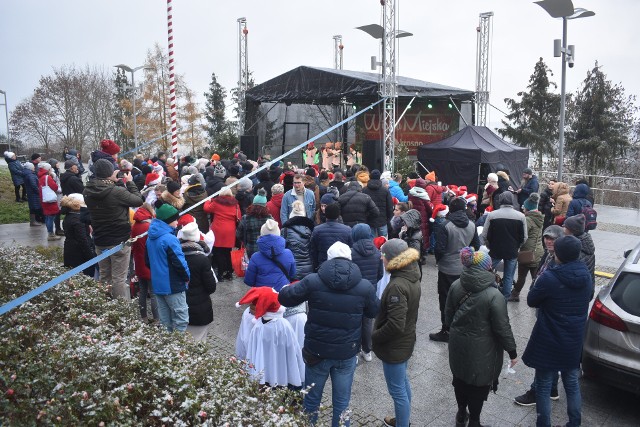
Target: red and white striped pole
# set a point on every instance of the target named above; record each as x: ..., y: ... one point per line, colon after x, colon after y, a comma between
x: 172, y: 86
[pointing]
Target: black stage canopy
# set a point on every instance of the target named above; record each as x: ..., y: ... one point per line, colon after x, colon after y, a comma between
x: 472, y: 153
x: 326, y: 86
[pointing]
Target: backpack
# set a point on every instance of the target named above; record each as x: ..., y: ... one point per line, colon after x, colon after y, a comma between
x: 590, y: 218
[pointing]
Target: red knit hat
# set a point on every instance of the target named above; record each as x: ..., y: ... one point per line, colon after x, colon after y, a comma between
x: 185, y: 219
x: 109, y: 147
x: 152, y: 178
x: 264, y: 298
x: 439, y: 210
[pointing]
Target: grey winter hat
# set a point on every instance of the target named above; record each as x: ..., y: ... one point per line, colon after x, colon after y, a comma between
x: 103, y: 168
x: 553, y: 231
x: 245, y: 184
x: 575, y: 224
x: 219, y: 171
x: 528, y: 171
x: 393, y: 248
x: 506, y: 198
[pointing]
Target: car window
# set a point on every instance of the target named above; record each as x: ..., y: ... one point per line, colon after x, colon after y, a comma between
x: 626, y: 293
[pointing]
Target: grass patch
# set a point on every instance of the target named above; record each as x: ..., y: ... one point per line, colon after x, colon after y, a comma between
x: 10, y: 211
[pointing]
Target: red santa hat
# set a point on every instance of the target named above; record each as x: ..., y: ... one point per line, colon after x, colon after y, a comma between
x: 439, y: 210
x: 453, y: 189
x: 152, y: 178
x: 462, y: 191
x: 379, y: 241
x: 109, y: 147
x: 471, y: 198
x: 186, y: 219
x: 264, y: 298
x: 488, y: 209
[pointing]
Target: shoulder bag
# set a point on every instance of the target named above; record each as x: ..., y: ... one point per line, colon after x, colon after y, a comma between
x: 48, y: 195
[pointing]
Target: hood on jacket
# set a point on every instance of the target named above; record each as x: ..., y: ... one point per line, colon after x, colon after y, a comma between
x: 339, y: 274
x: 364, y: 247
x: 360, y: 232
x: 581, y: 191
x: 277, y: 199
x: 459, y: 218
x: 298, y: 220
x: 270, y: 245
x: 158, y: 229
x: 412, y: 219
x: 142, y: 214
x: 588, y: 247
x: 392, y: 183
x: 571, y: 274
x: 405, y: 265
x: 561, y: 189
x: 97, y: 155
x: 374, y: 184
x: 225, y: 200
x: 536, y: 216
x: 419, y: 192
x: 98, y: 188
x: 475, y: 279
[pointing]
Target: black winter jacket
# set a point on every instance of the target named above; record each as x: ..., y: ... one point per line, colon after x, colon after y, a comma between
x: 214, y: 184
x: 201, y: 285
x: 193, y: 195
x: 297, y: 234
x: 325, y: 235
x: 357, y: 208
x: 338, y: 298
x: 71, y: 183
x: 382, y: 199
x: 367, y: 257
x: 245, y: 199
x: 109, y: 207
x: 78, y: 247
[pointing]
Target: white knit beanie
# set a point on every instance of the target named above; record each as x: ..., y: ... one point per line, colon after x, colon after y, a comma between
x: 339, y: 250
x: 270, y: 227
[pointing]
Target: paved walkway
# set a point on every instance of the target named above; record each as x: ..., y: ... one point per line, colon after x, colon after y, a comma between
x: 433, y: 402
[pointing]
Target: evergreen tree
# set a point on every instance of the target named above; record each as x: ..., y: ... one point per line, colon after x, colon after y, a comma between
x: 601, y: 124
x: 214, y: 110
x: 533, y: 121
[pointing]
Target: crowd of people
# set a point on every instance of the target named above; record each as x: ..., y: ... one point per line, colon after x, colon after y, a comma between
x: 334, y: 259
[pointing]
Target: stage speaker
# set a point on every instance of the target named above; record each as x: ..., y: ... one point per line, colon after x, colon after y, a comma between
x: 372, y: 154
x: 249, y: 146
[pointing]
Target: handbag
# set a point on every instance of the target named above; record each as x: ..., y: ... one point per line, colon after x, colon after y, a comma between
x: 48, y: 195
x: 526, y: 257
x: 237, y: 255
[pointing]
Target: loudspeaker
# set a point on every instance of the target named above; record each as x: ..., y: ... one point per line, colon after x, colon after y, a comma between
x: 249, y: 146
x: 372, y: 154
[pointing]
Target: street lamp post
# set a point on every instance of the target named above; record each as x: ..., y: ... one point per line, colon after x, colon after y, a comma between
x: 133, y: 87
x: 563, y: 9
x: 6, y: 116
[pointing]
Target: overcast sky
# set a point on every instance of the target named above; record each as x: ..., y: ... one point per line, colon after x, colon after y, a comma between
x: 38, y: 35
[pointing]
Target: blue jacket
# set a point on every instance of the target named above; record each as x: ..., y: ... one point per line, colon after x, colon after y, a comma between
x: 262, y: 271
x: 562, y: 295
x: 396, y: 191
x: 366, y: 256
x: 164, y: 256
x: 579, y: 200
x: 530, y: 187
x: 290, y: 197
x: 15, y: 167
x: 325, y: 235
x: 338, y: 298
x: 33, y: 189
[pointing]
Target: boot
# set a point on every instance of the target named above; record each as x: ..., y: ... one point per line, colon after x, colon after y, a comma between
x: 462, y: 417
x: 33, y: 222
x: 477, y: 424
x: 514, y: 297
x: 52, y: 236
x: 59, y: 232
x: 442, y: 336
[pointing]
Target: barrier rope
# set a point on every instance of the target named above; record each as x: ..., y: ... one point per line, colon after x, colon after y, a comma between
x: 50, y: 284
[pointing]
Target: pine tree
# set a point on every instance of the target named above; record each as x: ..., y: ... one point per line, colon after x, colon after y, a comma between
x: 533, y: 122
x: 601, y: 122
x: 214, y: 110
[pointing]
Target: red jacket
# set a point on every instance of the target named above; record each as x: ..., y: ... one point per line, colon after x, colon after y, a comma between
x: 435, y: 193
x: 48, y: 208
x: 274, y: 205
x: 226, y: 214
x: 141, y: 219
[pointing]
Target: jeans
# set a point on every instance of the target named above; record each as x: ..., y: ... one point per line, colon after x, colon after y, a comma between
x: 509, y: 272
x: 554, y: 383
x: 379, y: 231
x: 173, y: 311
x: 400, y: 390
x: 146, y: 289
x: 114, y: 271
x: 571, y: 385
x: 341, y: 372
x: 367, y: 330
x: 48, y: 221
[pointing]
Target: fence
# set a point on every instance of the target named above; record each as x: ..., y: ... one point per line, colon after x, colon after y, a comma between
x: 608, y: 190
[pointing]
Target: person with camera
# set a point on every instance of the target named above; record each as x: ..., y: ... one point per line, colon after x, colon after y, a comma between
x: 109, y: 198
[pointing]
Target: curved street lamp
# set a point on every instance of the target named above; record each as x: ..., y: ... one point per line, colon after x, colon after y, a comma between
x: 563, y: 9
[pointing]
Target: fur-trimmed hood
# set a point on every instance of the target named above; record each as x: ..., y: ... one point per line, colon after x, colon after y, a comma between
x: 403, y: 260
x: 176, y: 202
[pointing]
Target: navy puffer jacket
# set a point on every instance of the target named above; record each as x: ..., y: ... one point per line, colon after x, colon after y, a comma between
x: 16, y: 168
x: 297, y: 235
x: 338, y: 297
x: 579, y: 200
x: 561, y: 294
x: 365, y: 255
x: 325, y: 235
x: 33, y: 189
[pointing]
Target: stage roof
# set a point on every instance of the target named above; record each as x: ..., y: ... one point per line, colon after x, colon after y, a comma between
x: 304, y: 85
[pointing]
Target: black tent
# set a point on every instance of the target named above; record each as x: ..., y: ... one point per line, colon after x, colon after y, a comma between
x: 327, y: 86
x: 466, y: 157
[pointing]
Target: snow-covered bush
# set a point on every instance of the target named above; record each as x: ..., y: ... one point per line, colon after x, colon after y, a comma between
x: 74, y: 356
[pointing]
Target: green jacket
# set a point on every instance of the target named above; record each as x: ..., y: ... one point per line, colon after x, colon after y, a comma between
x: 535, y: 219
x: 394, y: 333
x: 479, y: 330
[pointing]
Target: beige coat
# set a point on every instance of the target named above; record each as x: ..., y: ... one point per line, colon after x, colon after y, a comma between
x: 562, y: 198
